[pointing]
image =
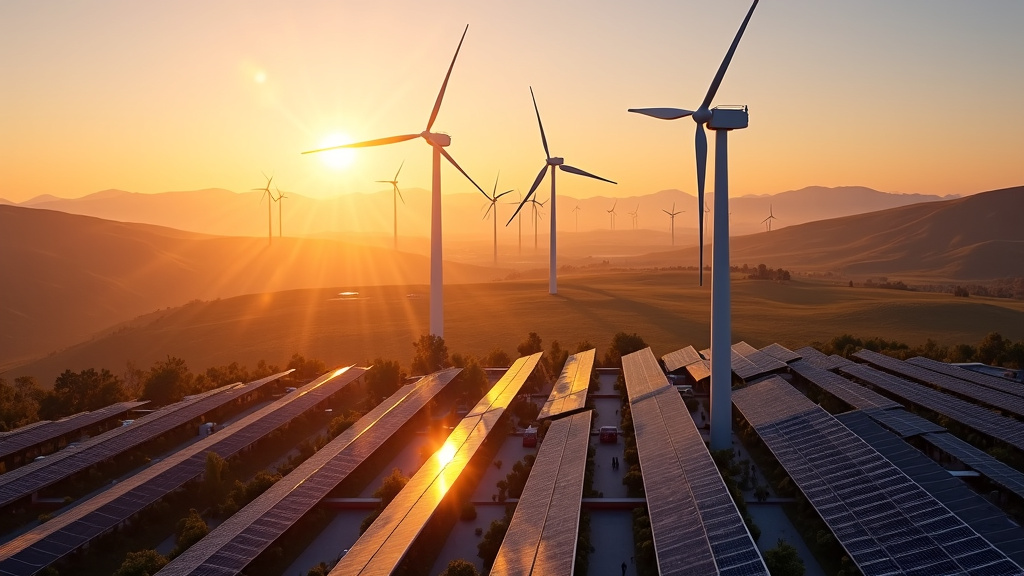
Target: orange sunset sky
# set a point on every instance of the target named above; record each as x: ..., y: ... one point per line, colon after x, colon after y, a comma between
x: 904, y: 96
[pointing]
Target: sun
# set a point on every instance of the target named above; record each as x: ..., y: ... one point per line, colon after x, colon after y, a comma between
x: 339, y: 159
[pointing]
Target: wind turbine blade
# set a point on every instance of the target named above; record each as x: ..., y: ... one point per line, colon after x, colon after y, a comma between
x: 488, y: 211
x: 383, y: 181
x: 574, y: 170
x: 667, y: 212
x: 367, y: 143
x: 522, y: 203
x: 663, y: 113
x: 444, y: 85
x: 536, y: 182
x: 701, y: 145
x: 728, y: 58
x: 495, y: 191
x: 399, y: 193
x: 459, y: 168
x: 399, y: 170
x: 543, y: 139
x: 502, y: 194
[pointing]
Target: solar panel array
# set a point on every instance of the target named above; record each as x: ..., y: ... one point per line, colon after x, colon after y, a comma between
x: 23, y: 429
x: 1002, y: 474
x: 680, y: 358
x: 993, y: 382
x: 33, y: 477
x: 852, y: 393
x: 994, y: 398
x: 385, y: 543
x: 1002, y: 428
x: 541, y: 538
x: 233, y: 545
x: 976, y: 511
x: 763, y: 363
x: 812, y: 356
x: 904, y: 423
x: 569, y: 393
x: 694, y: 522
x: 62, y: 535
x: 699, y: 370
x: 886, y: 522
x: 25, y: 438
x: 780, y: 352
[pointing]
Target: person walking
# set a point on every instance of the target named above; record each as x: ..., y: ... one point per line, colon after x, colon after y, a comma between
x: 623, y: 569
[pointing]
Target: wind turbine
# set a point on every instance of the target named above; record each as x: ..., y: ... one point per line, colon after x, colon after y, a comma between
x: 612, y: 214
x: 672, y: 218
x: 576, y: 211
x: 634, y: 216
x: 280, y: 203
x: 438, y: 142
x: 519, y: 219
x: 552, y: 162
x: 266, y: 192
x: 395, y: 195
x: 768, y: 221
x: 721, y: 120
x: 536, y: 218
x: 493, y: 198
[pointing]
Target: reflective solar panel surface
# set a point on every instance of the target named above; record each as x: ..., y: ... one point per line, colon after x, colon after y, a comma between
x: 993, y: 382
x: 850, y: 392
x: 763, y: 363
x: 569, y: 393
x: 980, y: 461
x: 903, y: 423
x: 699, y: 370
x: 780, y: 352
x: 886, y: 522
x: 541, y: 538
x: 32, y: 435
x: 815, y: 358
x: 694, y: 521
x: 233, y: 545
x: 680, y: 358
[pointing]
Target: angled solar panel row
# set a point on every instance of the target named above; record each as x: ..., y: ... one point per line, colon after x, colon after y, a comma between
x: 33, y: 477
x: 385, y: 543
x: 980, y: 461
x: 23, y: 429
x: 971, y: 415
x: 45, y: 432
x: 815, y: 358
x: 694, y: 522
x: 850, y: 392
x: 680, y: 358
x: 763, y: 363
x: 699, y: 370
x: 1000, y: 400
x: 886, y: 522
x: 993, y: 382
x: 541, y: 538
x: 780, y: 352
x: 903, y: 423
x: 236, y: 543
x: 980, y: 514
x: 569, y: 393
x: 62, y: 535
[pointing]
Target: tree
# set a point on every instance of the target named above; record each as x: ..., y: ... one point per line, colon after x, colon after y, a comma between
x: 168, y: 381
x: 621, y: 345
x: 460, y: 567
x: 472, y: 381
x: 143, y: 563
x: 992, y: 349
x: 496, y: 358
x: 305, y: 369
x: 216, y: 477
x: 81, y: 391
x: 784, y: 560
x: 383, y: 378
x: 431, y: 355
x: 556, y: 360
x: 487, y: 548
x: 531, y: 345
x: 390, y: 486
x: 19, y: 403
x: 191, y: 529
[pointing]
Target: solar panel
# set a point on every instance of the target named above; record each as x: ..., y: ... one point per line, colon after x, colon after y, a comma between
x: 980, y: 461
x: 385, y: 543
x: 1002, y: 401
x: 75, y: 528
x: 541, y: 537
x: 33, y: 435
x: 815, y: 358
x: 569, y: 393
x: 763, y: 363
x: 990, y: 381
x: 699, y: 370
x: 1002, y: 428
x: 33, y: 477
x: 680, y: 358
x: 904, y: 423
x: 886, y: 522
x: 853, y: 394
x: 780, y: 352
x: 695, y: 524
x: 976, y: 511
x: 233, y: 545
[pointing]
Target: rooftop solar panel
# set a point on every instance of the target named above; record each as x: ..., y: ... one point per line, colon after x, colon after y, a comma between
x: 695, y: 524
x: 1009, y: 478
x: 680, y: 358
x: 812, y: 356
x: 999, y: 400
x: 886, y: 522
x: 103, y: 512
x: 850, y: 392
x: 780, y: 352
x: 699, y: 370
x: 570, y: 391
x: 973, y: 416
x: 541, y: 538
x: 33, y: 477
x: 993, y: 382
x: 45, y: 432
x: 763, y: 363
x: 903, y: 423
x: 233, y: 545
x: 385, y: 543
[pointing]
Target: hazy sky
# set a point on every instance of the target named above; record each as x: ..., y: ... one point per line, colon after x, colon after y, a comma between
x: 898, y: 95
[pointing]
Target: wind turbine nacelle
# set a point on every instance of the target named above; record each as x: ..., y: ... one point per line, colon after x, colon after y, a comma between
x: 442, y: 140
x: 728, y: 118
x: 556, y: 161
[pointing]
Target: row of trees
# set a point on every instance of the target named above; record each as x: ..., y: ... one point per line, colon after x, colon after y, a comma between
x: 992, y: 349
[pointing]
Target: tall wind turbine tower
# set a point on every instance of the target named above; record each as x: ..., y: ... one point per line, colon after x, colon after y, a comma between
x: 267, y: 193
x: 721, y: 119
x: 536, y: 218
x: 395, y: 195
x: 280, y: 212
x: 576, y: 211
x: 493, y: 198
x: 438, y: 142
x: 552, y: 162
x: 634, y: 215
x: 611, y: 215
x: 672, y: 219
x: 768, y: 221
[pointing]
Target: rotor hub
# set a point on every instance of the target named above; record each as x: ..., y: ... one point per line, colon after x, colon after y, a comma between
x: 437, y: 139
x: 702, y: 115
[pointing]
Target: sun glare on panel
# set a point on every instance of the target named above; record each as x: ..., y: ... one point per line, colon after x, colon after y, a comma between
x: 337, y: 159
x: 445, y: 454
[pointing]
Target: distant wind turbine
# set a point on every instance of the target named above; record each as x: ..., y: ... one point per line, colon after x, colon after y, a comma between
x: 721, y: 120
x: 672, y: 218
x: 552, y: 162
x: 576, y: 211
x: 266, y: 192
x: 493, y: 198
x: 536, y: 218
x: 395, y: 195
x: 634, y: 215
x: 280, y: 204
x: 519, y: 219
x: 611, y: 214
x: 768, y: 221
x: 438, y: 142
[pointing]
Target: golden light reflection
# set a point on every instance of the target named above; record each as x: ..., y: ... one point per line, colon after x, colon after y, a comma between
x: 337, y: 159
x: 260, y: 77
x: 445, y: 454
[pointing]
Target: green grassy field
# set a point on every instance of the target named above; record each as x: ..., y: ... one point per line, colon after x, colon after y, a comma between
x: 667, y: 309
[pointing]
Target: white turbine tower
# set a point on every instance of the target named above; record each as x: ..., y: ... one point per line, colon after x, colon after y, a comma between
x: 266, y: 192
x: 721, y: 120
x: 576, y: 211
x: 551, y: 162
x: 280, y: 212
x: 536, y: 218
x: 493, y: 200
x: 672, y: 218
x: 611, y: 215
x: 395, y: 195
x: 634, y: 215
x: 768, y: 221
x: 437, y: 142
